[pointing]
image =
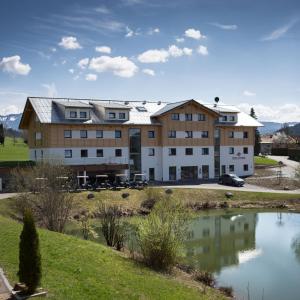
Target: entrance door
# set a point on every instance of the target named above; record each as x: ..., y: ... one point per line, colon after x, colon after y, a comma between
x: 223, y: 169
x: 205, y: 172
x: 189, y: 173
x: 151, y: 174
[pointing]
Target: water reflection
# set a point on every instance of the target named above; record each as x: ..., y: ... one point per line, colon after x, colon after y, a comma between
x: 296, y: 246
x: 214, y: 242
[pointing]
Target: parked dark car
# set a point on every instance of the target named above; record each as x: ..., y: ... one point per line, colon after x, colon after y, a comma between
x: 231, y: 179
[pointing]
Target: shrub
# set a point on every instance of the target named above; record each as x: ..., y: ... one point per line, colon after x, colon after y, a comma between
x: 227, y: 291
x: 160, y: 236
x: 205, y: 277
x: 112, y: 227
x: 152, y: 197
x: 30, y: 271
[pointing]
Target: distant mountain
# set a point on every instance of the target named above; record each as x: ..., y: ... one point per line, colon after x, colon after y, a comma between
x: 293, y: 130
x: 272, y: 127
x: 11, y: 121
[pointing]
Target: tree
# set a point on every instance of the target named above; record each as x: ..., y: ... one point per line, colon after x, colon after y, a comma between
x: 50, y: 201
x: 2, y: 135
x: 257, y: 134
x: 30, y: 270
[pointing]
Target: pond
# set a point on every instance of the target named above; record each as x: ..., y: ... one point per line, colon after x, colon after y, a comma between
x: 258, y: 254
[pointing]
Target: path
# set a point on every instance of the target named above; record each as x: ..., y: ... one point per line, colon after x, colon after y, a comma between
x: 4, y: 287
x: 290, y: 165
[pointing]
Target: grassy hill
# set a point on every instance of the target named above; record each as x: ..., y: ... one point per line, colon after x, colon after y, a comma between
x: 79, y: 269
x: 11, y: 151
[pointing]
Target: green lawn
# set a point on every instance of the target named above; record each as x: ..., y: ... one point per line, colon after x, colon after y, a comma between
x: 14, y: 151
x: 78, y: 269
x: 261, y: 160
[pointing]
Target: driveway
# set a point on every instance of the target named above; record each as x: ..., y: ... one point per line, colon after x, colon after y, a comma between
x: 290, y: 165
x: 7, y: 195
x: 246, y: 188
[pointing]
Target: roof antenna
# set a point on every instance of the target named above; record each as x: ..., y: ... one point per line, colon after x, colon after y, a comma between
x: 216, y: 101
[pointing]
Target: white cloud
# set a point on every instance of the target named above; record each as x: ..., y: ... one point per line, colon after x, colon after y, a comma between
x: 69, y: 42
x: 103, y: 49
x: 187, y: 51
x: 51, y: 89
x: 194, y: 34
x: 249, y: 94
x: 71, y: 71
x: 102, y: 10
x: 91, y: 77
x: 10, y: 109
x: 179, y: 40
x: 130, y: 32
x: 63, y: 62
x: 13, y: 65
x: 276, y: 113
x: 149, y: 72
x: 202, y: 50
x: 82, y: 64
x: 279, y: 32
x: 154, y: 56
x: 153, y: 31
x: 175, y: 51
x: 119, y: 65
x: 224, y: 26
x: 53, y: 49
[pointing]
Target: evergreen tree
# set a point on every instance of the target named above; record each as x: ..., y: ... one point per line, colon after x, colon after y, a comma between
x: 257, y: 134
x: 30, y: 271
x: 2, y: 135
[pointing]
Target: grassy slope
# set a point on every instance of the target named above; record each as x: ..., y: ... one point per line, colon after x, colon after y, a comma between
x: 14, y: 152
x: 260, y: 160
x: 78, y: 269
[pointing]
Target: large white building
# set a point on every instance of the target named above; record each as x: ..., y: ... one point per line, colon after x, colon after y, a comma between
x: 186, y: 140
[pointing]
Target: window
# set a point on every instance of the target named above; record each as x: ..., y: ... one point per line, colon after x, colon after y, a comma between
x: 68, y: 134
x: 73, y: 114
x: 204, y: 134
x: 38, y: 135
x: 172, y: 134
x: 231, y: 168
x: 151, y: 151
x: 83, y: 115
x: 172, y: 151
x: 205, y: 232
x: 246, y: 168
x: 151, y: 174
x: 189, y: 134
x: 118, y: 134
x: 188, y: 117
x: 99, y: 152
x: 245, y: 150
x: 99, y: 134
x: 201, y: 117
x: 151, y: 134
x: 205, y: 151
x: 232, y: 228
x: 118, y: 152
x: 231, y: 134
x: 172, y: 173
x: 231, y: 118
x: 175, y: 117
x: 122, y: 116
x: 231, y: 150
x: 188, y: 151
x: 224, y: 118
x: 83, y: 134
x: 245, y: 135
x: 84, y: 153
x: 111, y: 115
x: 68, y: 153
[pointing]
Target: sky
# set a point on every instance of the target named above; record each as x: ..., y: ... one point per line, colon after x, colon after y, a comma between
x: 246, y: 52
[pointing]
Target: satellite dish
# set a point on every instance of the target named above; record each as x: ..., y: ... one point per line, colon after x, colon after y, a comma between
x: 217, y: 100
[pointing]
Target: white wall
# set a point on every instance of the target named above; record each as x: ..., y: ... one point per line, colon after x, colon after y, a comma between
x: 238, y: 159
x: 180, y: 159
x: 152, y: 162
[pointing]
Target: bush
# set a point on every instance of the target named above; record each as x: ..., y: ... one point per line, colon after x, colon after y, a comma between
x: 205, y: 277
x: 152, y: 197
x: 112, y: 227
x: 30, y: 271
x: 227, y: 291
x: 160, y: 236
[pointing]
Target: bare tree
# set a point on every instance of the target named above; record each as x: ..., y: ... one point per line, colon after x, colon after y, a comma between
x: 46, y: 190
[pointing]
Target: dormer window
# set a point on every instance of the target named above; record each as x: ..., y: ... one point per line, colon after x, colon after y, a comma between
x: 83, y: 115
x: 73, y: 114
x: 122, y: 116
x: 111, y: 115
x: 224, y: 118
x: 141, y: 108
x: 231, y: 118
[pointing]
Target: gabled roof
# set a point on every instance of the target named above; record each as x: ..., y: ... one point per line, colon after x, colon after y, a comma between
x: 170, y: 106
